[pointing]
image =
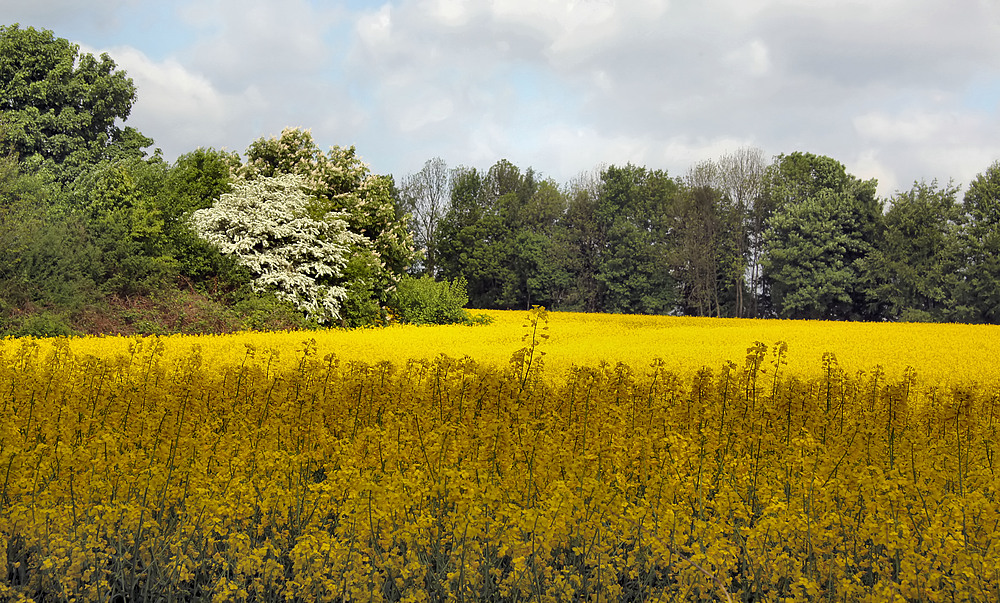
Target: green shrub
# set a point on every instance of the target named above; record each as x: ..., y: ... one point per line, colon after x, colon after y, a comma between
x: 265, y: 312
x: 43, y: 324
x: 424, y: 301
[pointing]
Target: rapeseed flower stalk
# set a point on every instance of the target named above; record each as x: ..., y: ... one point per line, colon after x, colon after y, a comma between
x: 318, y: 467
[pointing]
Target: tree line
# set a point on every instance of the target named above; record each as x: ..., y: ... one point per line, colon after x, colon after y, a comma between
x: 99, y: 235
x: 795, y: 236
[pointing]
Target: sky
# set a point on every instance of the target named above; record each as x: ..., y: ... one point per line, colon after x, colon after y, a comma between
x: 898, y: 90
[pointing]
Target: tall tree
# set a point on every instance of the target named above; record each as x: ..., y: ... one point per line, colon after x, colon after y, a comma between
x: 531, y: 216
x: 61, y: 108
x: 579, y: 243
x: 919, y: 258
x: 426, y: 196
x: 982, y: 246
x: 704, y: 253
x: 474, y: 237
x: 740, y: 177
x: 635, y: 210
x: 819, y: 239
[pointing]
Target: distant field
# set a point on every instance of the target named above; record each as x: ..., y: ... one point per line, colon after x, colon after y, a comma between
x: 646, y: 458
x: 939, y: 352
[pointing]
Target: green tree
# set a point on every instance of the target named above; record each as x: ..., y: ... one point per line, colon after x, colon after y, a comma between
x: 819, y: 240
x: 579, y: 241
x: 195, y: 181
x: 118, y: 202
x: 719, y: 229
x: 535, y: 254
x: 47, y: 259
x: 474, y: 238
x: 61, y: 108
x: 981, y: 238
x: 920, y: 258
x: 500, y: 236
x: 635, y: 212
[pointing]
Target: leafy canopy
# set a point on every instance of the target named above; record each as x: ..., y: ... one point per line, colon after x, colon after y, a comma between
x: 60, y: 108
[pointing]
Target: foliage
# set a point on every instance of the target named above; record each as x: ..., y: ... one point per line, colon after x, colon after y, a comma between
x: 118, y: 202
x: 48, y: 256
x: 42, y: 324
x: 89, y: 225
x: 580, y: 242
x: 920, y: 256
x: 148, y: 469
x: 340, y: 182
x: 982, y: 245
x: 266, y: 225
x: 819, y: 239
x: 474, y: 238
x: 633, y: 212
x: 739, y: 217
x: 425, y: 301
x: 61, y: 108
x: 707, y: 260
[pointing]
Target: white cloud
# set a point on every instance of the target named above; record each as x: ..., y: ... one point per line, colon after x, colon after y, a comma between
x: 913, y: 126
x: 375, y: 29
x: 752, y: 58
x: 564, y: 85
x: 259, y: 39
x: 867, y: 165
x: 178, y: 106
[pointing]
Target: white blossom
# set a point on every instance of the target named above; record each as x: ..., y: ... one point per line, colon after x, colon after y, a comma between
x: 265, y: 224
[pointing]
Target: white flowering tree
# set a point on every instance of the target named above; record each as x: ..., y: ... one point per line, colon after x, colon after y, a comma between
x: 339, y: 181
x: 269, y: 224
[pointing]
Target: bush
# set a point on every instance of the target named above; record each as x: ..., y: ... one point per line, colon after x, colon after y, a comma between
x: 424, y: 301
x: 267, y: 312
x: 43, y: 324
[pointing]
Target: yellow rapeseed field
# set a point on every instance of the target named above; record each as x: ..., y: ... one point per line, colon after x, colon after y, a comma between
x: 545, y: 456
x: 941, y: 352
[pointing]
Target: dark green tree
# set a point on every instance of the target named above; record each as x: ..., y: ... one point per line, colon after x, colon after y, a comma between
x: 982, y: 247
x: 61, y: 108
x: 579, y: 241
x: 635, y: 213
x: 819, y: 240
x: 474, y: 237
x: 919, y: 258
x: 534, y: 252
x: 118, y: 201
x: 47, y: 260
